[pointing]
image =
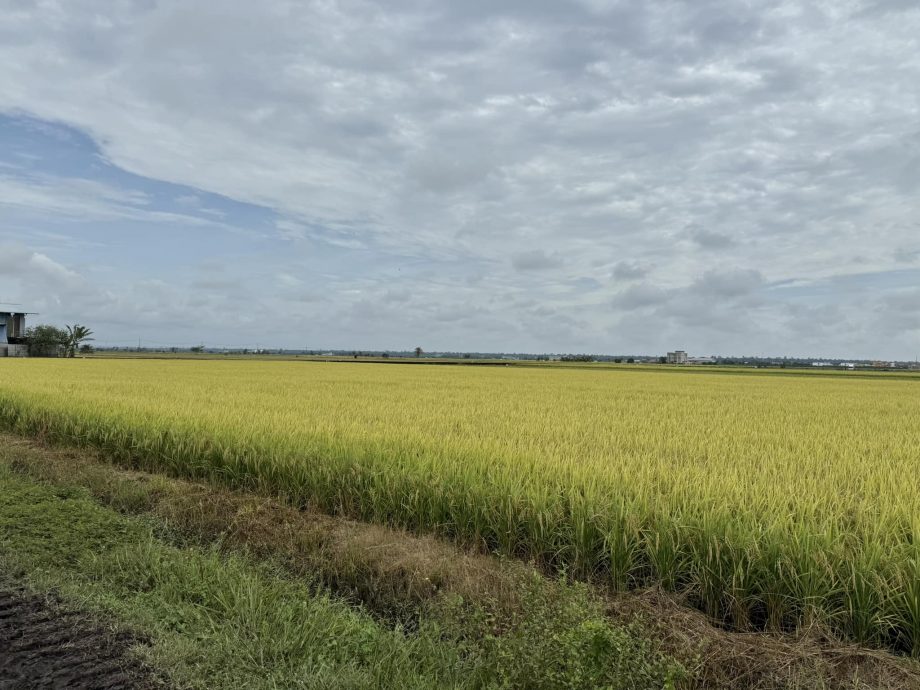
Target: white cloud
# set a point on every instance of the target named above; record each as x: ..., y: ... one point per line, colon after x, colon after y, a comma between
x: 605, y: 142
x: 18, y: 262
x: 629, y: 270
x: 535, y: 260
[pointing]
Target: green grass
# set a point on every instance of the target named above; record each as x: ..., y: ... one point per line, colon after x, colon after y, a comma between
x: 219, y: 619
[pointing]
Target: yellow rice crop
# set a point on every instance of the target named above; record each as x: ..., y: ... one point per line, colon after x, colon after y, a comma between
x: 771, y: 501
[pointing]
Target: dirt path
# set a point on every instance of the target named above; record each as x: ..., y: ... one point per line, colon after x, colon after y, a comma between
x: 43, y: 646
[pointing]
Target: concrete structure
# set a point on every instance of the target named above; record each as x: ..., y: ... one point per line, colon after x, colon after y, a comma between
x: 13, y: 334
x: 14, y: 350
x: 677, y: 357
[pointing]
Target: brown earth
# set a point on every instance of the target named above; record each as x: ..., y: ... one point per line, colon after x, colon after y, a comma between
x: 43, y: 645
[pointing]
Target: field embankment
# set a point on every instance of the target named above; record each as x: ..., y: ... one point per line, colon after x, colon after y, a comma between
x: 511, y: 626
x: 770, y: 503
x: 216, y: 611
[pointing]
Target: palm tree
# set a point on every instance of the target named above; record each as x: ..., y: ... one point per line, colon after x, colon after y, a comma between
x: 76, y: 336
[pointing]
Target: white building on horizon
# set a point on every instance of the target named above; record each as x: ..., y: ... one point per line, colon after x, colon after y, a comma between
x: 677, y: 357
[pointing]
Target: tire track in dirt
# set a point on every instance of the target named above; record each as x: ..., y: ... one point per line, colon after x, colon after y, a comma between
x: 45, y: 646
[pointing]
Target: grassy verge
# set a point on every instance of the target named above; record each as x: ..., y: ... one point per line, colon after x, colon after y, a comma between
x: 219, y: 617
x: 490, y: 622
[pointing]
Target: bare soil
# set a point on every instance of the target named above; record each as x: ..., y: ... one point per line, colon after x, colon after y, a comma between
x: 45, y: 646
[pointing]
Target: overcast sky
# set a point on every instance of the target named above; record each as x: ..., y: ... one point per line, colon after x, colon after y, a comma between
x: 529, y: 175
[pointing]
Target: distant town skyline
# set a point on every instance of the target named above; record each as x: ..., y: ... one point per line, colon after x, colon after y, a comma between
x: 574, y: 177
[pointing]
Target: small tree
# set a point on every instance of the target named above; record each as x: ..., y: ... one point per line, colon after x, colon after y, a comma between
x: 46, y: 341
x: 75, y: 336
x: 418, y: 352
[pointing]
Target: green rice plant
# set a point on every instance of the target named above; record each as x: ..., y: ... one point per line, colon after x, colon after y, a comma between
x: 864, y: 591
x: 905, y: 604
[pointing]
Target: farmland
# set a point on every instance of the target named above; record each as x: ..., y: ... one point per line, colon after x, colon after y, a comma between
x: 772, y: 502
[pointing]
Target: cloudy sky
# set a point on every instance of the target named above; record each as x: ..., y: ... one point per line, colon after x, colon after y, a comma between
x: 528, y: 175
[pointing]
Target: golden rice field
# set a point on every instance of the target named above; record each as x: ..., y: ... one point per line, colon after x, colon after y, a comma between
x: 771, y: 501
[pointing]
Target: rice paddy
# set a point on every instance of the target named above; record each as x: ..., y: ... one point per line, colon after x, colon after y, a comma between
x: 772, y: 502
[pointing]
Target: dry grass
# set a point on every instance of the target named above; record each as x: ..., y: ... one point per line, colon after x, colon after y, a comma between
x: 390, y: 571
x: 398, y: 575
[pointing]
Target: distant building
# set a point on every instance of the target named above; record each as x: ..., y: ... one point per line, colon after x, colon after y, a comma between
x: 13, y: 334
x: 677, y: 357
x: 701, y: 360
